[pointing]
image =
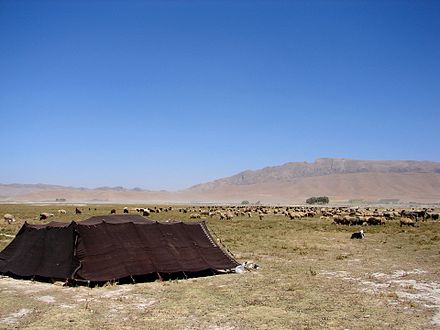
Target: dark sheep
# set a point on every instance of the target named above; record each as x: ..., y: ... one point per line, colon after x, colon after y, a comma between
x: 44, y: 215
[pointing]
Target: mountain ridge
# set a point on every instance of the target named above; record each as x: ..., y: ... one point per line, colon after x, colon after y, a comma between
x: 325, y: 166
x: 292, y: 182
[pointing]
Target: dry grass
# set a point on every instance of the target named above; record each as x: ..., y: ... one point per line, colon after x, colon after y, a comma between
x: 313, y: 276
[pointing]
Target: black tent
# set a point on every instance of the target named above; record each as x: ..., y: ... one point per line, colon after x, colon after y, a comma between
x: 111, y: 248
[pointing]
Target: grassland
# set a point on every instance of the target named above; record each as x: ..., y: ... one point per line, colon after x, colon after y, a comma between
x: 312, y: 276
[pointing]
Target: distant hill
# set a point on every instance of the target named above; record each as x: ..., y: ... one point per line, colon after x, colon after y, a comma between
x: 326, y: 166
x: 52, y: 193
x: 339, y: 179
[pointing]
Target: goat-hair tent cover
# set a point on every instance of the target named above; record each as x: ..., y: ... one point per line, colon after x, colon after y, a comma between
x: 107, y: 248
x: 41, y: 251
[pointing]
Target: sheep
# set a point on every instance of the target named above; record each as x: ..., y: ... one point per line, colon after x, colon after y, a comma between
x: 146, y: 212
x: 77, y: 211
x: 353, y: 221
x: 45, y: 215
x: 9, y: 218
x: 226, y: 216
x: 388, y: 215
x: 407, y: 222
x: 126, y: 210
x: 348, y: 220
x: 410, y: 214
x: 112, y: 211
x: 294, y: 215
x: 194, y: 216
x: 372, y: 221
x: 338, y: 220
x: 62, y: 211
x: 205, y: 212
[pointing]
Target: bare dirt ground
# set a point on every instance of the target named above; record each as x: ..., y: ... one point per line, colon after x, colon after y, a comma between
x: 312, y: 276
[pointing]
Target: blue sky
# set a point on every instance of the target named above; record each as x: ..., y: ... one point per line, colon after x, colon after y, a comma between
x: 167, y: 94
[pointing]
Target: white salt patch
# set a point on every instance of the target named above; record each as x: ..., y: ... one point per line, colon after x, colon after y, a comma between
x: 68, y: 306
x: 145, y: 305
x: 14, y: 317
x: 425, y: 293
x: 46, y: 299
x: 113, y: 293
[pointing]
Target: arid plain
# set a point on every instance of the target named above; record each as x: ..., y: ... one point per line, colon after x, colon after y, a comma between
x: 312, y: 275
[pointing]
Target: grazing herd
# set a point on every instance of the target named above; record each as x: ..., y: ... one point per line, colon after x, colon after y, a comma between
x: 349, y: 216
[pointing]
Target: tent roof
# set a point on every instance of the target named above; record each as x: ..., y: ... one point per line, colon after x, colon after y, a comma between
x: 115, y: 219
x: 96, y: 220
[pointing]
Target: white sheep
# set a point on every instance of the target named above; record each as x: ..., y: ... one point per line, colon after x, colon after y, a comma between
x: 9, y: 218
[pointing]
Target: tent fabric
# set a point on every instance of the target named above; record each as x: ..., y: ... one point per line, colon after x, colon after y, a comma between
x: 108, y: 248
x: 41, y: 251
x: 56, y: 224
x: 117, y: 218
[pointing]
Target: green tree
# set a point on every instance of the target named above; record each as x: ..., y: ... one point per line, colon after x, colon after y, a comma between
x: 318, y: 200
